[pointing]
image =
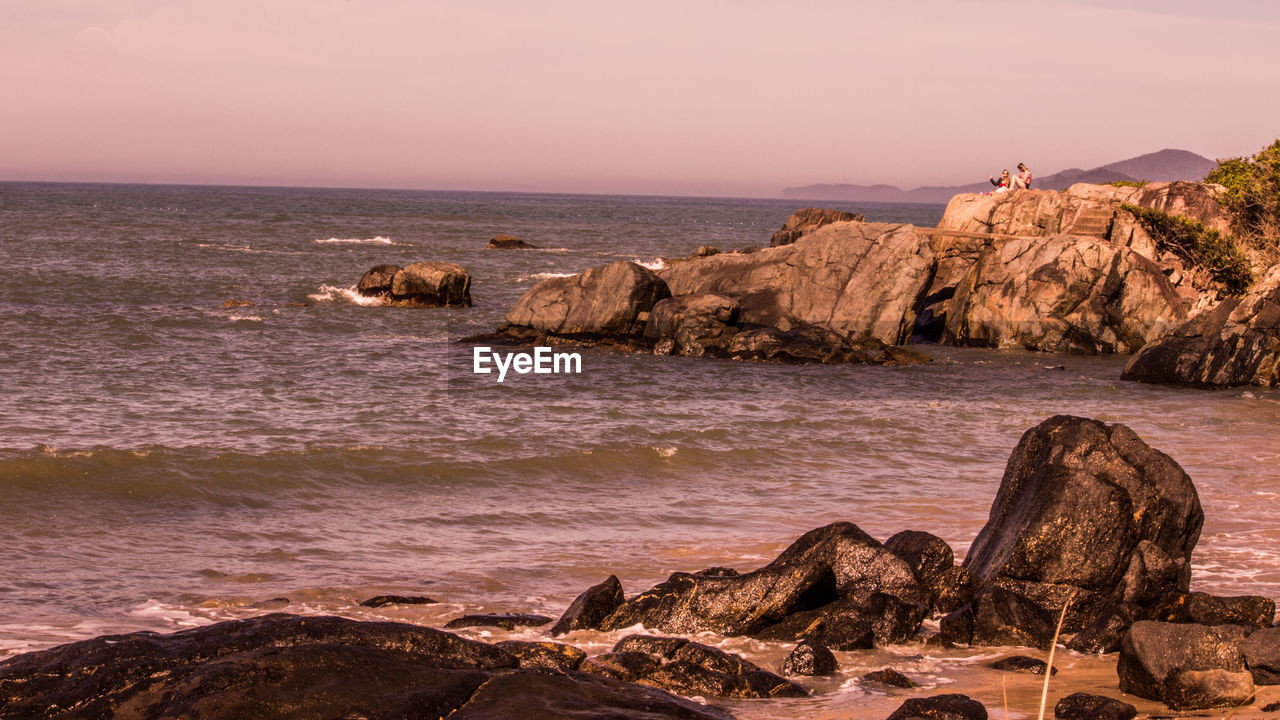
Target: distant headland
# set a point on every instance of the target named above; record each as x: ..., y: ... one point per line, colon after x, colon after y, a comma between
x: 1162, y: 166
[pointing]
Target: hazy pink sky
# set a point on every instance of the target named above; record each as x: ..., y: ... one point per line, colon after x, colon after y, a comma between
x: 686, y: 97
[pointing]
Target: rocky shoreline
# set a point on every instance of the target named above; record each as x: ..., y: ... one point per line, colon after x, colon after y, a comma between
x: 1088, y: 518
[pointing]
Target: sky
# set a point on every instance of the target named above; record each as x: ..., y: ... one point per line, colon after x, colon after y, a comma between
x: 695, y: 97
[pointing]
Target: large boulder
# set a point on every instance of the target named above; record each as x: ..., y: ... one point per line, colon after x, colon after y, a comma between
x: 1188, y: 667
x: 590, y: 609
x: 1088, y: 513
x: 807, y: 220
x: 430, y: 284
x: 376, y: 282
x: 1262, y: 655
x: 834, y: 585
x: 689, y: 668
x: 609, y: 302
x: 1236, y: 343
x: 292, y: 667
x: 856, y: 279
x: 1062, y: 294
x: 940, y: 707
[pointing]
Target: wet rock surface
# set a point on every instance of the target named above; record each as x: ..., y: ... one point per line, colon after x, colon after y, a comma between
x: 590, y: 609
x: 506, y: 621
x: 1262, y: 656
x: 889, y: 677
x: 292, y: 667
x: 1188, y: 667
x: 1021, y: 664
x: 1083, y: 706
x: 1086, y: 513
x: 689, y: 668
x: 509, y: 242
x: 941, y: 707
x: 810, y: 658
x: 384, y: 600
x: 547, y: 655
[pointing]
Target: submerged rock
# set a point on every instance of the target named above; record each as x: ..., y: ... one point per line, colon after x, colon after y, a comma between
x: 941, y: 707
x: 890, y: 677
x: 1021, y: 664
x: 506, y: 621
x: 810, y: 658
x: 1062, y: 294
x: 508, y: 242
x: 1188, y: 667
x: 1087, y: 513
x: 384, y: 600
x: 300, y: 668
x: 1235, y: 343
x: 1083, y: 706
x: 807, y: 220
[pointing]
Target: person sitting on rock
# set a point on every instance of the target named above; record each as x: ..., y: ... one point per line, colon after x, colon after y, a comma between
x: 1003, y: 184
x: 1023, y: 179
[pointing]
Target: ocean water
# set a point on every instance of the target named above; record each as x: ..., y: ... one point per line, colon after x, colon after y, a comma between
x: 199, y: 421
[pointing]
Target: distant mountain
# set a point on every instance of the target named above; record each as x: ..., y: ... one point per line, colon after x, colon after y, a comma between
x: 1163, y: 166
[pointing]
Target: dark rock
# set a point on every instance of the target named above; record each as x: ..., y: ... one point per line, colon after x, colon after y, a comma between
x: 626, y: 666
x: 1188, y: 667
x: 705, y: 251
x: 431, y: 284
x: 1083, y: 706
x: 272, y: 604
x: 506, y: 621
x: 941, y: 707
x: 508, y: 242
x: 852, y: 623
x: 934, y: 563
x: 1262, y: 656
x: 384, y: 600
x: 1105, y: 634
x: 601, y: 302
x: 695, y: 324
x: 1088, y: 512
x: 377, y: 281
x: 689, y: 668
x: 810, y: 658
x: 538, y: 695
x: 836, y: 571
x: 890, y: 677
x: 548, y: 655
x: 719, y: 572
x: 1062, y: 294
x: 805, y: 344
x: 1273, y: 707
x: 1021, y: 664
x: 1205, y: 609
x: 998, y: 616
x: 589, y: 610
x: 1235, y: 343
x: 807, y: 220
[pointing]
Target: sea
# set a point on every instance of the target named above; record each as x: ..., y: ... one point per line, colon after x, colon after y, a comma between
x: 201, y: 420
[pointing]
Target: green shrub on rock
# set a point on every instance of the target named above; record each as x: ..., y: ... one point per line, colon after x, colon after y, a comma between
x: 1198, y: 246
x: 1253, y: 195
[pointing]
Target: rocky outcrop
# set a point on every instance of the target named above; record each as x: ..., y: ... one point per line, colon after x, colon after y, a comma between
x: 292, y: 667
x: 607, y: 302
x: 857, y: 279
x: 1236, y: 343
x: 807, y: 220
x: 421, y: 284
x: 1087, y: 513
x: 933, y: 562
x: 1048, y: 212
x: 1188, y: 667
x: 508, y: 242
x: 689, y: 668
x: 1062, y: 294
x: 1205, y: 609
x: 835, y: 586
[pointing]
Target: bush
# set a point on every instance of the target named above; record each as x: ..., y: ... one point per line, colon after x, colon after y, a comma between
x: 1126, y: 183
x: 1198, y: 246
x: 1253, y: 194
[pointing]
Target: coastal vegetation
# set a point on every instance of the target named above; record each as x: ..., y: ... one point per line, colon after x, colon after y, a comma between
x: 1253, y: 197
x: 1197, y: 245
x: 1126, y: 183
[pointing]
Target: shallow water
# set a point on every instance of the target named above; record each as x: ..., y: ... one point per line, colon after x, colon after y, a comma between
x: 167, y: 461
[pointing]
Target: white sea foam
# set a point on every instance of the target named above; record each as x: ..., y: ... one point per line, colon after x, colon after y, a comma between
x: 542, y: 276
x: 666, y: 451
x: 376, y: 240
x: 245, y: 318
x: 169, y: 614
x: 654, y: 264
x: 331, y: 293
